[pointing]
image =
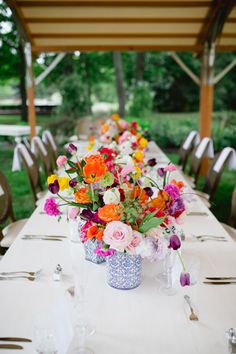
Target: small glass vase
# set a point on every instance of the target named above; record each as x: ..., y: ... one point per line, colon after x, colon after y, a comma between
x: 124, y: 271
x: 89, y: 247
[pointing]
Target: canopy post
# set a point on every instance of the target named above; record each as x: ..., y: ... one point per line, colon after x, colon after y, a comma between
x: 30, y: 90
x: 206, y: 96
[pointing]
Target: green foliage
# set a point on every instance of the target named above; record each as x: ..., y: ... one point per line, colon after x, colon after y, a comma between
x: 141, y: 100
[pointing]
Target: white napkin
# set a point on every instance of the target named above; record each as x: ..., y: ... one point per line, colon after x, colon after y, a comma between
x: 193, y: 137
x: 16, y: 164
x: 225, y: 153
x: 48, y: 135
x: 37, y: 144
x: 206, y: 143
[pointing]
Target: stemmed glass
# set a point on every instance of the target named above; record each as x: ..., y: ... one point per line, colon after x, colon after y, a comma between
x: 168, y: 288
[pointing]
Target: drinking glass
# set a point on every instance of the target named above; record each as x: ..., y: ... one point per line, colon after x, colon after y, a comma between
x: 168, y: 288
x: 44, y: 340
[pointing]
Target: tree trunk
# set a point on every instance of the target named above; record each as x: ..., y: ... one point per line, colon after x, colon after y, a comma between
x: 88, y: 87
x: 119, y: 82
x: 139, y: 69
x: 22, y: 74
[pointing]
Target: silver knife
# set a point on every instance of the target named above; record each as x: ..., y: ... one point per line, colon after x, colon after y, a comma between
x: 221, y: 278
x: 33, y: 236
x: 15, y: 339
x: 41, y: 238
x: 11, y: 346
x: 219, y: 282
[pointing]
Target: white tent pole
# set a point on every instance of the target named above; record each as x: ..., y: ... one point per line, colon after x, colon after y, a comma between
x: 47, y: 71
x: 185, y: 68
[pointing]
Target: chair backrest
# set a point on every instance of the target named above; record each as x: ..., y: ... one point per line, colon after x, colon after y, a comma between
x: 32, y: 172
x: 39, y: 149
x: 51, y: 146
x: 232, y: 218
x: 187, y: 146
x: 214, y: 174
x: 198, y: 153
x: 6, y: 210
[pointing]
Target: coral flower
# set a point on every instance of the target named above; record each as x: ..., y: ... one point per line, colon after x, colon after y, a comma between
x: 95, y: 232
x: 179, y: 184
x: 110, y: 212
x: 94, y: 169
x: 160, y: 201
x: 139, y: 193
x: 82, y: 197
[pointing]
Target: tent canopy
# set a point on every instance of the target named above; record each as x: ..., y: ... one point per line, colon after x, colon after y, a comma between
x: 69, y: 25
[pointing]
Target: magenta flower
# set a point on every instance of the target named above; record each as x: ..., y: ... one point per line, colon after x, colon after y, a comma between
x: 103, y: 252
x: 175, y: 242
x: 184, y: 279
x: 51, y: 207
x: 172, y: 190
x: 177, y: 208
x: 72, y: 149
x: 54, y: 187
x: 61, y: 160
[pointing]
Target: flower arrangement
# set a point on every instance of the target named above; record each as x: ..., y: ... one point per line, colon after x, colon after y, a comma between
x: 123, y: 210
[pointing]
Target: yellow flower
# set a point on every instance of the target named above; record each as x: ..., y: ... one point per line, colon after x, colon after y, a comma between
x: 51, y: 179
x: 63, y: 183
x: 143, y: 143
x: 137, y: 173
x: 115, y: 117
x: 138, y: 155
x: 138, y: 135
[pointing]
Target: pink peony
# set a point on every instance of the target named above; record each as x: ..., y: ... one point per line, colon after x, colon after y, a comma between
x: 51, y: 207
x: 73, y: 213
x: 61, y: 160
x: 118, y: 235
x: 170, y: 168
x: 106, y: 138
x: 137, y: 237
x: 124, y: 125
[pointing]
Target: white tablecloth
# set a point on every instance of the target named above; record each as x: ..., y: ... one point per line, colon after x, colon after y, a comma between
x: 16, y: 130
x: 137, y: 321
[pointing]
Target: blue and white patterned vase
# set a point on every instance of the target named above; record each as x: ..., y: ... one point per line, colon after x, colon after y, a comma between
x: 124, y: 271
x: 89, y: 247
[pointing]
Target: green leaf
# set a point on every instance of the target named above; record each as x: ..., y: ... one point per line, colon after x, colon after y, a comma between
x: 72, y: 164
x: 153, y: 222
x: 70, y: 172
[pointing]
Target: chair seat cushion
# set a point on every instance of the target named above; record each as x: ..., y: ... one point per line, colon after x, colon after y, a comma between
x: 11, y: 231
x: 231, y: 231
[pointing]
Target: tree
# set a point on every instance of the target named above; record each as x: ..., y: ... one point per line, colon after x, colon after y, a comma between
x: 139, y: 68
x: 119, y: 82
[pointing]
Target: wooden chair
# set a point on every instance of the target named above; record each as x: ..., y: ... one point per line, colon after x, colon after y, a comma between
x: 33, y: 175
x: 39, y: 149
x: 230, y: 227
x: 186, y: 148
x: 51, y: 147
x: 10, y: 232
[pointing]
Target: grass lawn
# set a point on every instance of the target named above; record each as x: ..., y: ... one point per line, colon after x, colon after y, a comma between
x: 22, y: 198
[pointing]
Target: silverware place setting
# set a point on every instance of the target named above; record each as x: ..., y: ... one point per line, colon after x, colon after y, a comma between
x: 31, y: 276
x: 197, y: 213
x: 192, y: 316
x: 203, y: 238
x: 220, y: 280
x: 11, y: 346
x: 44, y: 237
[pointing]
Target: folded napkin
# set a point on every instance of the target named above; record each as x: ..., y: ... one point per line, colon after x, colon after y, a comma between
x: 227, y: 153
x: 205, y: 148
x: 37, y: 145
x: 47, y: 135
x: 192, y: 138
x: 16, y: 164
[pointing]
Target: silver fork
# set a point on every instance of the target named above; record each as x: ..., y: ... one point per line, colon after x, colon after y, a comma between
x: 33, y: 274
x: 18, y: 277
x: 213, y: 239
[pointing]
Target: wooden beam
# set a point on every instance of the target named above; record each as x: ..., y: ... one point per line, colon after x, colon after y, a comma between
x: 30, y: 90
x: 112, y: 20
x: 116, y: 3
x: 114, y: 35
x: 185, y: 68
x: 224, y: 71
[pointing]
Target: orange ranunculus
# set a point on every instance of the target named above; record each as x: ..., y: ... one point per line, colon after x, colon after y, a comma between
x: 104, y: 128
x: 82, y: 197
x: 95, y: 232
x: 179, y: 184
x: 110, y: 212
x: 138, y: 193
x: 160, y: 201
x: 115, y: 117
x: 94, y: 169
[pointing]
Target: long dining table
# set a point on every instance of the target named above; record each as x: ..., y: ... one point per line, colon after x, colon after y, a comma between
x: 138, y: 321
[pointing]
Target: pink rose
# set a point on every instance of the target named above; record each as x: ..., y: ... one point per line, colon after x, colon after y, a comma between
x: 61, y: 160
x: 118, y: 235
x: 124, y: 137
x: 106, y: 138
x: 73, y: 213
x: 124, y: 124
x: 170, y: 168
x: 137, y: 237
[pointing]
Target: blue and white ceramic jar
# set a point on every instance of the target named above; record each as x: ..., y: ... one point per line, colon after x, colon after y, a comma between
x: 89, y: 247
x: 124, y: 271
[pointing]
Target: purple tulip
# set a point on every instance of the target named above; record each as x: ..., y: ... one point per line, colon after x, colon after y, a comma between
x: 177, y: 208
x: 148, y: 191
x: 72, y: 149
x: 161, y: 171
x: 73, y: 183
x: 152, y: 162
x: 54, y: 187
x: 184, y: 279
x: 89, y: 215
x: 175, y: 242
